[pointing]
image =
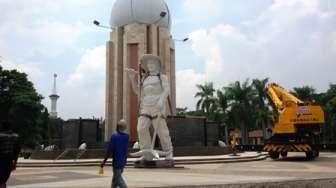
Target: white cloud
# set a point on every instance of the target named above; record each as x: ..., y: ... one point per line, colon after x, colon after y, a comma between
x: 36, y: 26
x: 40, y: 37
x: 53, y: 33
x: 32, y: 70
x: 91, y: 67
x: 292, y: 42
x: 35, y: 7
x: 53, y: 36
x: 83, y: 93
x: 185, y: 95
x: 334, y: 41
x: 211, y: 12
x: 196, y: 9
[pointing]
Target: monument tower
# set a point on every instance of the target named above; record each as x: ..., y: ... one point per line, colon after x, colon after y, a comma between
x: 138, y: 27
x: 53, y: 97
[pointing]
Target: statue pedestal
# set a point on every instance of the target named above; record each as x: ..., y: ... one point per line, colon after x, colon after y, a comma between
x: 154, y: 164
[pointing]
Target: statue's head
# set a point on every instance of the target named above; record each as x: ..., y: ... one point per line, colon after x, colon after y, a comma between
x: 151, y: 63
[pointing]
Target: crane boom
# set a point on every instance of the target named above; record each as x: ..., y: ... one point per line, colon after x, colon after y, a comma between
x: 280, y: 97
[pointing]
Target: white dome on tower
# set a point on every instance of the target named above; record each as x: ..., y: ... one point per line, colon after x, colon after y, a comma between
x: 126, y: 12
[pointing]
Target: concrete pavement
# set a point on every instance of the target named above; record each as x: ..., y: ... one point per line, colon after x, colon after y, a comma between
x: 292, y: 172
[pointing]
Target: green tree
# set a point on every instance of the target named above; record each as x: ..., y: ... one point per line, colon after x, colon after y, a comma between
x: 222, y: 114
x: 240, y: 98
x: 305, y: 93
x: 222, y: 104
x: 181, y: 111
x: 263, y: 113
x: 207, y: 100
x: 243, y: 105
x: 20, y: 106
x: 328, y: 99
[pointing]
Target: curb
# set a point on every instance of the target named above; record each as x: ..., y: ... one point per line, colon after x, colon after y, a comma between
x: 304, y: 183
x: 131, y: 163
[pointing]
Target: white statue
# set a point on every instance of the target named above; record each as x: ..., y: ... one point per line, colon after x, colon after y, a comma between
x: 154, y: 91
x: 49, y: 148
x: 83, y: 146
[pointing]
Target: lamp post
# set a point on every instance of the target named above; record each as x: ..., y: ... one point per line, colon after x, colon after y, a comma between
x: 162, y: 15
x: 182, y: 40
x: 97, y: 23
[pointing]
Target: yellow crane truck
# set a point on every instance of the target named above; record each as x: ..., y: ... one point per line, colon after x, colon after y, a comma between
x: 297, y: 124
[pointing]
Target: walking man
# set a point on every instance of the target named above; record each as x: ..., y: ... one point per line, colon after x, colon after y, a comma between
x: 9, y: 152
x: 118, y: 149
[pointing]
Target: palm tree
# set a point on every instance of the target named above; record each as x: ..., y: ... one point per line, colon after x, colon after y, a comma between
x: 223, y: 114
x: 305, y: 93
x: 263, y: 113
x: 240, y: 97
x: 222, y: 102
x: 207, y: 100
x: 259, y: 86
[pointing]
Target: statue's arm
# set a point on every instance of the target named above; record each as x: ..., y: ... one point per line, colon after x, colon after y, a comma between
x: 135, y: 86
x: 133, y: 76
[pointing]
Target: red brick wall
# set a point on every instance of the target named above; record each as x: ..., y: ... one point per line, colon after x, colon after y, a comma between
x: 133, y: 54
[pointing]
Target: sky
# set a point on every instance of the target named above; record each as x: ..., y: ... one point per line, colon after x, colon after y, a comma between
x: 292, y: 42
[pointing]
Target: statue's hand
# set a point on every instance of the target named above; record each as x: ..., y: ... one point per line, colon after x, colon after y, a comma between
x: 131, y: 73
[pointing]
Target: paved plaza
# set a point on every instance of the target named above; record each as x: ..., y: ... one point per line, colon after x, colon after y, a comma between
x: 293, y: 168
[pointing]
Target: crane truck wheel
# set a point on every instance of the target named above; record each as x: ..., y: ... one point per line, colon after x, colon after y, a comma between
x: 283, y: 154
x: 274, y: 155
x: 310, y: 155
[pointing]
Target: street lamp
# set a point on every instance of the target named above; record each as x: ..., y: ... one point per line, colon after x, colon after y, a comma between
x: 102, y: 26
x: 162, y: 15
x: 182, y: 40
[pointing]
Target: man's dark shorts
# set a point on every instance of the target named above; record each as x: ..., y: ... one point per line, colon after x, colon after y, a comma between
x: 5, y: 170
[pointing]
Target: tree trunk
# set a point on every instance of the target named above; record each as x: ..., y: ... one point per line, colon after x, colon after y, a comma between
x: 242, y: 132
x: 226, y: 135
x: 263, y: 127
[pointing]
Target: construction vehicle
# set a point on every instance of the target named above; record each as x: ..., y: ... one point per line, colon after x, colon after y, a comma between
x: 297, y: 124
